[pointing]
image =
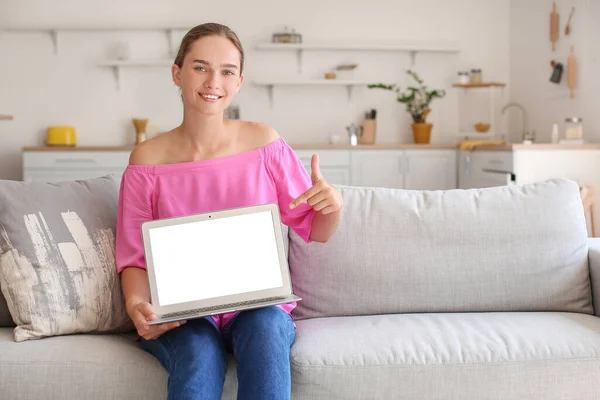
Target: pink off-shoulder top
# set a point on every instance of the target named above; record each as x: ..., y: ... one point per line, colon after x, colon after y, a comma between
x: 272, y: 173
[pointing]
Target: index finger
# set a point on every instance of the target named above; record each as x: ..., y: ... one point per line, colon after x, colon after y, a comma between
x: 304, y: 196
x: 314, y: 166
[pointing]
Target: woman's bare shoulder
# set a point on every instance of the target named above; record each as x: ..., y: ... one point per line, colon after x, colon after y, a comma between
x: 256, y: 134
x: 151, y: 151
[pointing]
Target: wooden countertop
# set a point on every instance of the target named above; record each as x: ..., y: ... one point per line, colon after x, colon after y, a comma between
x: 315, y: 146
x: 78, y: 148
x: 538, y: 146
x: 325, y: 146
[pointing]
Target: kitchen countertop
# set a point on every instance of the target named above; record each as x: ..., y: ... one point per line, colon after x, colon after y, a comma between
x: 325, y: 146
x: 78, y: 148
x: 314, y: 146
x: 537, y: 146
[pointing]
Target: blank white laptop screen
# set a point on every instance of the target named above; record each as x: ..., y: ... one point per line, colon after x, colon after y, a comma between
x: 215, y: 257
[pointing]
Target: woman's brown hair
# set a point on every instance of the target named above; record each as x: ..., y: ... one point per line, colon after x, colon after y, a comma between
x: 208, y: 29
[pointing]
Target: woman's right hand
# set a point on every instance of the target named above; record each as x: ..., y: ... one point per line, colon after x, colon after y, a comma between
x: 140, y: 313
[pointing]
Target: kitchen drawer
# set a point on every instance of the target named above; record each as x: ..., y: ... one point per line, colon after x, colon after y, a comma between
x: 327, y: 158
x: 492, y: 160
x: 75, y: 159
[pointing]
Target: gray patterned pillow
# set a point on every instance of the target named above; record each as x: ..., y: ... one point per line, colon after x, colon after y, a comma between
x: 57, y: 257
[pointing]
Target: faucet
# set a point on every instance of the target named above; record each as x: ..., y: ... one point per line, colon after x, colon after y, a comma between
x: 524, y: 134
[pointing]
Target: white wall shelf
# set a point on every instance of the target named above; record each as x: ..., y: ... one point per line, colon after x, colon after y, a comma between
x: 412, y: 48
x: 478, y: 85
x: 54, y: 31
x: 116, y: 66
x: 314, y: 82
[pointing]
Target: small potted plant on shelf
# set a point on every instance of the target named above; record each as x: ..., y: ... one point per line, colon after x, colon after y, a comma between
x: 417, y: 100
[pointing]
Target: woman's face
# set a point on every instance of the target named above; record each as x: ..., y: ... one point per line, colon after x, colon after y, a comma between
x: 210, y: 75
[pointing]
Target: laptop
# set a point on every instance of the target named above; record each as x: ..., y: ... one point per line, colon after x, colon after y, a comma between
x: 217, y: 262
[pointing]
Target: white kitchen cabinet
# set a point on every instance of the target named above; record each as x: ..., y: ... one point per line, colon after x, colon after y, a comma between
x: 334, y: 164
x: 378, y: 168
x: 430, y: 169
x: 400, y: 168
x: 336, y: 176
x: 53, y: 166
x: 485, y: 169
x: 405, y: 169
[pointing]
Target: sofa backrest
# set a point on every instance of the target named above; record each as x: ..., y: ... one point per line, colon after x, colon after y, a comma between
x: 510, y: 248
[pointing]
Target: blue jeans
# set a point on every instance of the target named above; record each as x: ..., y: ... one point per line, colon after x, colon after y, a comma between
x: 195, y: 355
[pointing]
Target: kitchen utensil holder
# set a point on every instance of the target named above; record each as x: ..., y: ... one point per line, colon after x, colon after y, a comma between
x: 369, y: 129
x: 140, y: 125
x: 355, y: 133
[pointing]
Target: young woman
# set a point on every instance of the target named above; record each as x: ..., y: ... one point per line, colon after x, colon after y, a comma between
x: 210, y: 163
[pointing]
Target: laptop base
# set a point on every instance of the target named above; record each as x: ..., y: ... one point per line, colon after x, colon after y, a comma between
x: 227, y: 308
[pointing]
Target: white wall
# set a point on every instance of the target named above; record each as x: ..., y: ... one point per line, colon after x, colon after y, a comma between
x: 40, y: 88
x: 530, y: 70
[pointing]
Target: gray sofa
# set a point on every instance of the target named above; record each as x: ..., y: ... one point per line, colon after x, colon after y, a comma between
x: 462, y: 294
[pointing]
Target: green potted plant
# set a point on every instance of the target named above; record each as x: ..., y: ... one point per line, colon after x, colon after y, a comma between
x: 417, y: 100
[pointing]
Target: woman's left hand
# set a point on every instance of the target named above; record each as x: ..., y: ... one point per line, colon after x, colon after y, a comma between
x: 321, y: 196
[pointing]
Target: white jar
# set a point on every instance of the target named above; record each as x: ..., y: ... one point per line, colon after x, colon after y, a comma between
x: 476, y: 76
x: 335, y: 139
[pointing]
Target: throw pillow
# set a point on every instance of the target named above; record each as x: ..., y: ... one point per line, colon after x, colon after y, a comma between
x: 57, y: 257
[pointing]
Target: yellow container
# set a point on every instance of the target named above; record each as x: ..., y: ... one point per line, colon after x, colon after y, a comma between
x: 61, y: 136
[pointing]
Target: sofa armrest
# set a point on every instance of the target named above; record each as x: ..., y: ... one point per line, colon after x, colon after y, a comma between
x: 594, y: 260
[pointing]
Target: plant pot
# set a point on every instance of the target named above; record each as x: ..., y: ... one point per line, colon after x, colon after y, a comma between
x: 422, y: 132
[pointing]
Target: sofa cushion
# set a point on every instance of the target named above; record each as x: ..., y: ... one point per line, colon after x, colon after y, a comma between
x: 513, y: 355
x: 84, y: 366
x: 57, y: 257
x: 471, y: 356
x: 511, y: 248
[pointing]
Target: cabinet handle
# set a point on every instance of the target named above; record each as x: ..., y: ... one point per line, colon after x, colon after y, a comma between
x: 468, y: 166
x: 75, y: 160
x: 407, y: 165
x: 400, y: 165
